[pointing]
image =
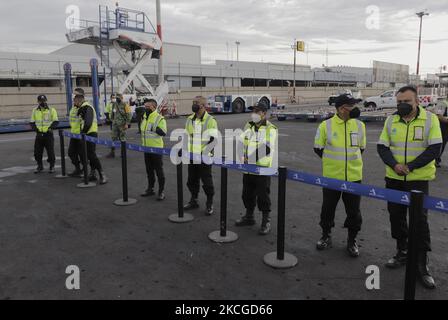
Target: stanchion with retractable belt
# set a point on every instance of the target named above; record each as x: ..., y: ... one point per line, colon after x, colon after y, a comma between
x: 180, y: 216
x: 62, y: 149
x: 415, y: 213
x: 125, y: 201
x: 86, y: 183
x: 281, y: 259
x: 223, y: 235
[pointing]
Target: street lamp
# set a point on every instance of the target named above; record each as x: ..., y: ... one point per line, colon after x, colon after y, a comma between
x: 237, y: 51
x: 420, y: 15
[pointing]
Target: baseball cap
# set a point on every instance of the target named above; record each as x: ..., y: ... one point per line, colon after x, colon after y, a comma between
x: 345, y: 98
x: 261, y: 106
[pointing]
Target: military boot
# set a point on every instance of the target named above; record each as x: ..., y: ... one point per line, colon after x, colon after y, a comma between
x: 324, y: 242
x: 400, y: 257
x: 246, y: 220
x: 423, y: 271
x: 265, y: 224
x: 192, y: 204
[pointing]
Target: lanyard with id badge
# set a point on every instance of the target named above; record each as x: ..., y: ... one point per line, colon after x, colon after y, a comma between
x: 418, y: 133
x: 354, y: 139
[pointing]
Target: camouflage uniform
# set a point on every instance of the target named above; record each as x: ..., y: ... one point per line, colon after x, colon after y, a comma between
x: 121, y: 117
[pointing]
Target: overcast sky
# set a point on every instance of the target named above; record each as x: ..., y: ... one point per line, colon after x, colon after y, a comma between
x: 356, y: 31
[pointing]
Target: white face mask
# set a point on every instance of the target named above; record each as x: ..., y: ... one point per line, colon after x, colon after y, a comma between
x: 255, y: 117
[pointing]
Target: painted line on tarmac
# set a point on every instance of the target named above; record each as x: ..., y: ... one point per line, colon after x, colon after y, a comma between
x: 16, y: 140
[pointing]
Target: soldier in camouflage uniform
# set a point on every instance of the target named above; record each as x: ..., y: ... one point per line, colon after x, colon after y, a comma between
x: 121, y: 118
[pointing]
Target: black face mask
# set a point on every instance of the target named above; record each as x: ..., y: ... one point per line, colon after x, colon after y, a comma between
x: 118, y: 100
x: 43, y: 104
x: 355, y: 113
x: 404, y: 109
x: 195, y: 108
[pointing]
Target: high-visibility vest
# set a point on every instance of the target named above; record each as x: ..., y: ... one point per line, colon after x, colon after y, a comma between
x: 199, y: 132
x: 342, y: 142
x: 148, y: 128
x: 43, y: 118
x: 108, y: 108
x: 255, y: 139
x: 408, y: 140
x: 75, y: 121
x: 94, y: 126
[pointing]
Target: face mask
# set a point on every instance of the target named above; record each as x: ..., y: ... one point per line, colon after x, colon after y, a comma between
x: 43, y: 104
x: 118, y: 100
x: 113, y: 100
x: 355, y: 113
x: 195, y: 108
x: 404, y: 109
x: 255, y: 117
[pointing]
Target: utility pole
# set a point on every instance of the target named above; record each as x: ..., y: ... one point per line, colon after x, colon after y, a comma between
x: 159, y: 33
x: 237, y: 50
x: 294, y: 47
x: 420, y: 15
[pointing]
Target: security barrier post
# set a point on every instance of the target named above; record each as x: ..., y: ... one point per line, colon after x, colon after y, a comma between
x: 180, y: 216
x: 223, y: 235
x: 61, y: 146
x: 125, y: 201
x: 415, y: 213
x: 281, y: 259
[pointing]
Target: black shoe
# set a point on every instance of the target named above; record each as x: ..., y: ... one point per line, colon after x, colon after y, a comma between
x: 246, y: 220
x: 161, y: 196
x: 148, y: 192
x: 39, y: 169
x: 77, y: 173
x: 209, y: 209
x: 352, y: 248
x: 423, y: 271
x: 398, y: 260
x: 324, y: 243
x: 51, y: 170
x: 265, y: 228
x: 193, y: 204
x: 103, y: 178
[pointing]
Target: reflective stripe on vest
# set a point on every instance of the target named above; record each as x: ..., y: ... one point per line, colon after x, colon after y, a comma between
x: 196, y: 145
x: 149, y: 126
x: 94, y: 126
x: 252, y: 141
x: 407, y: 142
x: 75, y: 121
x: 43, y: 118
x: 341, y: 158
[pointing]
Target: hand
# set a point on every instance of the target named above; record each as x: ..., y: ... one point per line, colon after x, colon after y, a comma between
x: 406, y: 169
x: 401, y: 170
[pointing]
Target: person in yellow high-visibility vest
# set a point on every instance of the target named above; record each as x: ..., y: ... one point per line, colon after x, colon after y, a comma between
x: 409, y: 144
x: 441, y: 111
x: 109, y: 110
x: 44, y: 120
x: 75, y: 145
x: 259, y: 143
x: 340, y: 142
x: 89, y: 127
x: 201, y: 129
x: 153, y: 129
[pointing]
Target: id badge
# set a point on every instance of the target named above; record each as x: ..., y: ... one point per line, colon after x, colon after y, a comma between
x: 46, y: 117
x: 354, y: 139
x: 418, y: 133
x: 149, y: 127
x: 197, y: 127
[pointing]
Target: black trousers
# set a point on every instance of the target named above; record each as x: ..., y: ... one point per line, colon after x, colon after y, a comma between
x: 154, y: 162
x: 398, y: 213
x: 75, y: 151
x: 256, y: 191
x: 352, y: 205
x: 94, y: 162
x: 197, y: 172
x: 44, y: 141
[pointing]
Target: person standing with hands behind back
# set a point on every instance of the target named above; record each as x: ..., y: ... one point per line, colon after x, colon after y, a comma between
x: 409, y: 144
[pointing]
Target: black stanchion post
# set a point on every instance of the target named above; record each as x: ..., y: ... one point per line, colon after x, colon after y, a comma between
x: 125, y: 201
x: 61, y: 146
x: 223, y: 235
x: 86, y: 183
x: 415, y: 212
x: 281, y: 259
x: 180, y: 216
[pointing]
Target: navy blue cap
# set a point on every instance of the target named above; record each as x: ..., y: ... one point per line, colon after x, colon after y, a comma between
x: 345, y: 98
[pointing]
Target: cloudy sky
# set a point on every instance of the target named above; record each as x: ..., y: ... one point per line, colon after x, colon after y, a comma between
x: 355, y: 32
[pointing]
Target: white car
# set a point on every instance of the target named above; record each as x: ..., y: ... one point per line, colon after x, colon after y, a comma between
x: 388, y: 100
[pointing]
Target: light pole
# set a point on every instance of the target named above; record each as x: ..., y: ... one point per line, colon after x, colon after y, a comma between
x: 159, y: 33
x: 420, y: 15
x: 294, y: 47
x: 237, y: 50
